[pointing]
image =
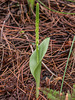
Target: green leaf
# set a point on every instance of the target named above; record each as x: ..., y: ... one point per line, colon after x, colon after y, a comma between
x: 33, y: 59
x: 36, y: 67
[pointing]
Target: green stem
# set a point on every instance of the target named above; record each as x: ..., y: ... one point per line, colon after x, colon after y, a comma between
x: 37, y: 48
x: 37, y: 31
x: 67, y: 64
x: 38, y: 80
x: 31, y: 3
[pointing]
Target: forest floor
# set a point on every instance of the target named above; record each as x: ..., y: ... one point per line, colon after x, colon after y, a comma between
x: 17, y: 41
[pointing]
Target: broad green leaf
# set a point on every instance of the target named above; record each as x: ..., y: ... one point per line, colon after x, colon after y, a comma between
x: 34, y: 67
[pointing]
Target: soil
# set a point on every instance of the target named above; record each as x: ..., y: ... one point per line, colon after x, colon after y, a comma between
x: 17, y: 41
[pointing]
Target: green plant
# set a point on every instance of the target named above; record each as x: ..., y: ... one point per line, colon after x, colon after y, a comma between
x: 38, y: 54
x: 56, y: 10
x: 31, y: 3
x: 71, y: 0
x: 73, y: 93
x: 67, y: 63
x: 55, y: 95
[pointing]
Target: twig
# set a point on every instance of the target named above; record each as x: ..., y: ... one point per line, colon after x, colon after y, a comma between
x: 7, y: 17
x: 3, y: 24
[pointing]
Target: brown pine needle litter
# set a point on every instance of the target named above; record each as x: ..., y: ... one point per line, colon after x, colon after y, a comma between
x: 17, y: 42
